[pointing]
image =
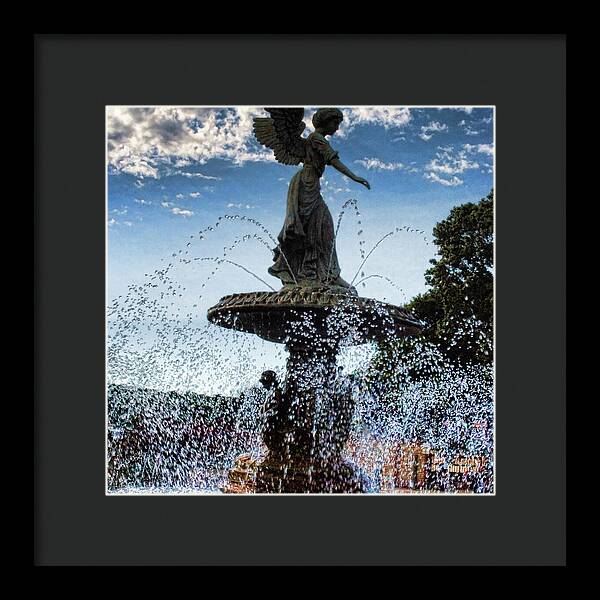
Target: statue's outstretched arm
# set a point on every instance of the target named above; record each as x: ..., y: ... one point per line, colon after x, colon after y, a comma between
x: 338, y: 165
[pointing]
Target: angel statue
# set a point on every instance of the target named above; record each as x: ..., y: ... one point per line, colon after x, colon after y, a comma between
x: 306, y: 254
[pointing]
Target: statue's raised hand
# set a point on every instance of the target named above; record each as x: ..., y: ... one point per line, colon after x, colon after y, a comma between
x: 363, y: 182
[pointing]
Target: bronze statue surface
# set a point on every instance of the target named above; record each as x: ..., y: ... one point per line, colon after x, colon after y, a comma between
x: 306, y: 255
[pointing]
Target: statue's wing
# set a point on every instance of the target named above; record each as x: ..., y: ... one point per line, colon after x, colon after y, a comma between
x: 282, y: 132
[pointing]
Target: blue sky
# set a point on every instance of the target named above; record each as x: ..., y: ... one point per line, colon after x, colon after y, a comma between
x: 174, y: 171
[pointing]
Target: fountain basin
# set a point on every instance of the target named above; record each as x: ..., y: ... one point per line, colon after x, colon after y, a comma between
x: 293, y: 312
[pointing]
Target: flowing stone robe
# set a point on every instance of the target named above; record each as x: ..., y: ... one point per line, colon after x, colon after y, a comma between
x: 307, y: 237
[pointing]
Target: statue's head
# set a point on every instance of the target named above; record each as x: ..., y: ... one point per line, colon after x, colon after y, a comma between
x: 328, y: 120
x: 268, y: 379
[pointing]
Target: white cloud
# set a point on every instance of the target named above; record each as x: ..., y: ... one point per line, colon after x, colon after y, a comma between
x: 467, y: 109
x: 179, y: 196
x: 468, y: 129
x: 149, y: 142
x: 142, y: 201
x: 166, y: 204
x: 142, y: 140
x: 183, y: 162
x: 448, y: 182
x: 447, y: 164
x: 481, y: 148
x: 428, y: 130
x: 379, y: 165
x: 388, y: 117
x: 195, y: 194
x: 112, y: 222
x: 240, y: 205
x: 182, y: 212
x: 201, y: 175
x: 434, y: 126
x: 119, y: 211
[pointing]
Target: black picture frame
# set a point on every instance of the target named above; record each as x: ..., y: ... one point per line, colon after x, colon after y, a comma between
x: 77, y: 76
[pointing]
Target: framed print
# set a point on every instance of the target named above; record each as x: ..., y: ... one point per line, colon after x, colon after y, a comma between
x: 299, y: 381
x: 287, y: 314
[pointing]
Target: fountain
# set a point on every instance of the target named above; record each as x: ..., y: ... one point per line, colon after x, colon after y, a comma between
x: 314, y: 315
x: 423, y: 424
x: 354, y: 403
x: 311, y: 417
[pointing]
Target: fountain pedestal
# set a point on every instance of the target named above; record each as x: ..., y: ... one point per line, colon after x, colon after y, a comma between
x: 308, y: 418
x: 307, y: 426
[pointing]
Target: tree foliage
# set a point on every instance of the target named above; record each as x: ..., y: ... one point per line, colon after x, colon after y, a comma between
x: 458, y: 309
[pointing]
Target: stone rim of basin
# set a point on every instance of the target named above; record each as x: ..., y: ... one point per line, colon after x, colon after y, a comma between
x: 275, y: 316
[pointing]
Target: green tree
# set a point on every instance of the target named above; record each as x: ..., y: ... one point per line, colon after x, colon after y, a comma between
x: 458, y: 307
